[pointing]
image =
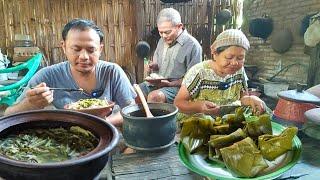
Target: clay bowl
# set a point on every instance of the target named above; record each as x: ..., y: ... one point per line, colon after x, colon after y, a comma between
x: 84, y: 167
x: 153, y: 133
x: 102, y: 111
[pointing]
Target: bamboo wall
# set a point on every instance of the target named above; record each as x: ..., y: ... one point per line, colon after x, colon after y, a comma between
x: 44, y: 21
x: 124, y: 22
x: 195, y: 15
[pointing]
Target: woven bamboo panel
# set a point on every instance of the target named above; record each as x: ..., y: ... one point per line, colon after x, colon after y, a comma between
x: 124, y: 22
x: 195, y: 15
x: 44, y: 21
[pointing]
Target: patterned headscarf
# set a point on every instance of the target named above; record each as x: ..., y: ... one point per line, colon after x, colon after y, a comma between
x: 231, y: 37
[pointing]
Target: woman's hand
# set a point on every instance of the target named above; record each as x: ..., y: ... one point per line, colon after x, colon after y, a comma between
x: 255, y: 102
x: 40, y: 96
x: 182, y: 101
x: 209, y: 108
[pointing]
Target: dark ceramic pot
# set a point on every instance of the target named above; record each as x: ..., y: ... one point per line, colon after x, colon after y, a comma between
x: 281, y: 41
x: 261, y: 27
x: 154, y: 133
x: 85, y: 167
x: 223, y: 16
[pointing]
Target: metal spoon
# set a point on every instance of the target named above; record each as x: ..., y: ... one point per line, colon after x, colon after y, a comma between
x: 66, y: 89
x: 63, y: 89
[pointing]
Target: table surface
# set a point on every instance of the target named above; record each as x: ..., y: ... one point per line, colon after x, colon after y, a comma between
x: 166, y: 164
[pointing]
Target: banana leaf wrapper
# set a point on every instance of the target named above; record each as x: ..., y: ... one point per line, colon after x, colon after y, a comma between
x: 258, y: 126
x: 219, y: 141
x: 192, y: 144
x: 196, y: 131
x: 272, y: 146
x: 197, y: 127
x: 215, y: 155
x: 202, y: 128
x: 243, y: 158
x: 235, y: 120
x: 194, y: 135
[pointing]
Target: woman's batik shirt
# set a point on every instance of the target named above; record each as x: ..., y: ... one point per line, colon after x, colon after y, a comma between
x: 204, y: 84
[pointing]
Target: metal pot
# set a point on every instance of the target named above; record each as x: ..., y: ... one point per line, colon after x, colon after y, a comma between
x: 312, y: 126
x: 292, y: 105
x: 85, y: 167
x: 154, y: 133
x: 290, y: 112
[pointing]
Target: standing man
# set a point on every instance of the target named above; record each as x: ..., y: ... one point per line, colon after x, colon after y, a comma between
x: 176, y: 52
x: 82, y: 44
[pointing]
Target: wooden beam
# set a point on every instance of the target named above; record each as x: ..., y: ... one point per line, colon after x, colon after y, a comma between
x: 314, y: 66
x: 139, y: 16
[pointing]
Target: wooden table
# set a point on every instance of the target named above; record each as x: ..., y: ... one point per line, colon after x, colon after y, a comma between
x: 166, y: 164
x: 150, y: 165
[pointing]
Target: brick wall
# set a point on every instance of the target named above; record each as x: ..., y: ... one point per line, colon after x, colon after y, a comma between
x: 285, y: 14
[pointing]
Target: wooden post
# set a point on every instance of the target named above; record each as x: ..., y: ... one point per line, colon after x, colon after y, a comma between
x: 139, y: 18
x: 314, y: 66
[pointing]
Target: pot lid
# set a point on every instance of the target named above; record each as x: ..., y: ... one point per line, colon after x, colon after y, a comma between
x: 299, y: 96
x: 313, y: 115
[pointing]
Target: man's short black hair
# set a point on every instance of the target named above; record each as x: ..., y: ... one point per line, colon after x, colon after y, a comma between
x: 81, y: 24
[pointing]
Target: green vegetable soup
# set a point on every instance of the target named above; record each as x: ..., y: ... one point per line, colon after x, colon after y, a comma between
x: 42, y: 145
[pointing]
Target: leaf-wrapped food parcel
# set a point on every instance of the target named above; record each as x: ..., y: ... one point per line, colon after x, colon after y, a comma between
x: 255, y: 128
x: 196, y: 131
x: 219, y: 141
x: 236, y: 120
x: 215, y: 155
x: 197, y: 127
x: 272, y: 146
x: 243, y: 158
x: 221, y: 129
x: 191, y: 144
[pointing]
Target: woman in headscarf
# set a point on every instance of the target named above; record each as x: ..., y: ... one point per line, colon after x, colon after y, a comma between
x: 220, y: 81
